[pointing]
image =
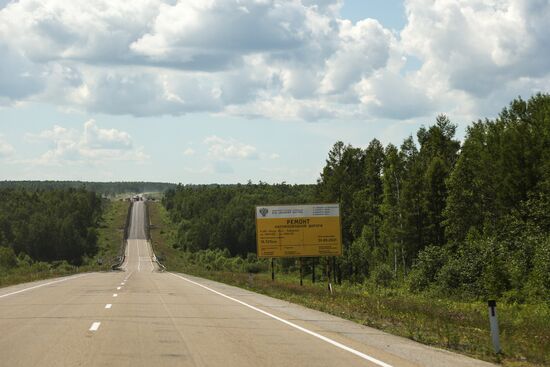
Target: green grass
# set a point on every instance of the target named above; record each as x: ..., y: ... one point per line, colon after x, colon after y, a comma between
x: 162, y: 235
x: 458, y: 326
x: 110, y: 234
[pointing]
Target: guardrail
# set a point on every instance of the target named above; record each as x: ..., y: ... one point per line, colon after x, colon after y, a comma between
x: 161, y: 266
x: 119, y: 260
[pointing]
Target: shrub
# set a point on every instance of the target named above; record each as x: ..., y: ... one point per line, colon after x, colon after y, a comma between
x: 424, y: 272
x: 8, y: 259
x: 382, y: 275
x: 253, y: 268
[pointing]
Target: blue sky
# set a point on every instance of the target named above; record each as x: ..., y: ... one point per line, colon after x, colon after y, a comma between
x: 227, y: 91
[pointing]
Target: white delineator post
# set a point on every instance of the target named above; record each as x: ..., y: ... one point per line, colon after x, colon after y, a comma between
x: 493, y: 320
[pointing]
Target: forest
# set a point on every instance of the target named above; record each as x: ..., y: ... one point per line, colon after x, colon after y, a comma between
x: 434, y: 214
x: 103, y: 188
x: 47, y: 225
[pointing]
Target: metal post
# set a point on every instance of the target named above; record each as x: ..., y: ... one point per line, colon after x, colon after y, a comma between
x: 329, y: 285
x: 272, y: 270
x: 301, y: 273
x: 493, y: 321
x: 313, y: 270
x: 334, y: 268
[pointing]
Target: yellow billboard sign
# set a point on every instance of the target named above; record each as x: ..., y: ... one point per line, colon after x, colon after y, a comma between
x: 298, y: 230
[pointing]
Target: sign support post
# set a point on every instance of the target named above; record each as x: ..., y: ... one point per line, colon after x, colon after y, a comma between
x: 298, y: 231
x: 301, y: 273
x: 329, y: 274
x: 313, y: 270
x: 334, y: 269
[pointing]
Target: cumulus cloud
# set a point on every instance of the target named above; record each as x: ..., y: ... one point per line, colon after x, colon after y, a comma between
x: 230, y: 148
x: 364, y: 48
x: 476, y: 47
x: 284, y: 59
x: 390, y: 95
x: 91, y: 145
x: 19, y: 77
x: 6, y: 149
x: 208, y: 35
x: 155, y: 57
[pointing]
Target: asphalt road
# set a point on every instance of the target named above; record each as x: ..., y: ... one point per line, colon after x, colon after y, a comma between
x: 142, y: 317
x: 137, y: 221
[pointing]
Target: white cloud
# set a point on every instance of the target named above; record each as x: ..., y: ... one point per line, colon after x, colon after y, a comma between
x: 282, y: 59
x: 92, y: 145
x: 230, y: 148
x: 189, y: 152
x: 364, y: 48
x: 6, y: 149
x: 154, y: 57
x: 474, y: 49
x: 209, y: 35
x: 19, y: 78
x: 96, y: 138
x: 390, y: 95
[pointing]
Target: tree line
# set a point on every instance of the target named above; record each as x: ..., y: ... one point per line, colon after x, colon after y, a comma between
x: 432, y: 213
x: 222, y: 216
x: 103, y: 188
x: 48, y: 225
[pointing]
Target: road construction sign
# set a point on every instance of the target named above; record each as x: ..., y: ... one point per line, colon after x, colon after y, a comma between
x: 298, y: 230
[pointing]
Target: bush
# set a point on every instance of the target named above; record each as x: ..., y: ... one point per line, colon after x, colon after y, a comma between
x: 23, y: 260
x: 539, y: 284
x: 253, y: 268
x: 425, y: 271
x: 382, y: 276
x: 8, y: 260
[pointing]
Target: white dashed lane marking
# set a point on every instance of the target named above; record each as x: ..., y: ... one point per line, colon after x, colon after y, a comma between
x: 95, y: 326
x: 108, y: 305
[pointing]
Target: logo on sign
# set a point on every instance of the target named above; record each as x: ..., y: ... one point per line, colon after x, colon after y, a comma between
x: 264, y: 211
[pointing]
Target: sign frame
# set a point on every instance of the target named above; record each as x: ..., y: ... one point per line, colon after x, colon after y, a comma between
x: 339, y: 244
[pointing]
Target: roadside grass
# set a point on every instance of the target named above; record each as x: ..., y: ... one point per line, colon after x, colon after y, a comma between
x: 450, y: 324
x: 163, y: 234
x: 110, y: 235
x: 111, y: 232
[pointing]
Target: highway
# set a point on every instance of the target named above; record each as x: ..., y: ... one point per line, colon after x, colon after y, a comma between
x: 143, y: 317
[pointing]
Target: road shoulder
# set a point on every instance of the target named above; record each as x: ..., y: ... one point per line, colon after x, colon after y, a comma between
x: 331, y: 325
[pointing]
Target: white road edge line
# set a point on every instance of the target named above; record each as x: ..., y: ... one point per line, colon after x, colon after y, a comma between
x: 95, y: 326
x: 108, y: 305
x: 128, y: 258
x: 150, y: 257
x: 42, y: 285
x: 127, y: 254
x: 118, y: 288
x: 312, y: 333
x: 115, y: 295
